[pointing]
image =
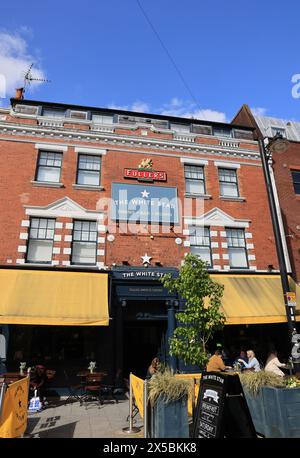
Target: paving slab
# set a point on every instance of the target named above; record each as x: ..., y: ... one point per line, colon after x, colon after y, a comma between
x: 74, y: 421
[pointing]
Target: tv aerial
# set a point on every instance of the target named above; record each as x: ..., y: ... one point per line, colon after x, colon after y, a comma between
x: 28, y: 78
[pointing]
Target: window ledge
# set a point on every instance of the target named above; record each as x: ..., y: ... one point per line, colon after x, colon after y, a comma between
x: 88, y: 187
x: 47, y: 184
x: 83, y: 266
x: 39, y: 264
x: 198, y: 196
x: 236, y: 199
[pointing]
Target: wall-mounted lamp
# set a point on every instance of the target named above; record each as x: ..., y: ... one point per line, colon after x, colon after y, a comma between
x: 125, y: 263
x: 158, y: 263
x: 110, y: 237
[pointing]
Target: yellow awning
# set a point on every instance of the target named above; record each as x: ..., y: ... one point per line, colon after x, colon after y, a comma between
x: 53, y: 298
x: 252, y: 299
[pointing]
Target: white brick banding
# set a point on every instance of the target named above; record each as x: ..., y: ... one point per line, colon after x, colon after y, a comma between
x: 22, y: 248
x: 23, y: 235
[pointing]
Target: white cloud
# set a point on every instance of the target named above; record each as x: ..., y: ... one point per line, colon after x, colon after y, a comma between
x: 15, y: 60
x: 186, y: 109
x: 138, y: 106
x: 259, y: 111
x: 175, y: 107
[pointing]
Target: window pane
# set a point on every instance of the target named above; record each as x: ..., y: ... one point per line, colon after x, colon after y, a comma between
x: 297, y: 188
x: 33, y: 234
x: 88, y: 178
x: 89, y: 162
x: 227, y: 175
x: 34, y: 222
x: 84, y: 253
x: 77, y: 225
x: 48, y: 174
x: 195, y: 172
x: 194, y: 187
x: 296, y: 181
x: 202, y: 252
x: 228, y: 189
x: 39, y: 251
x: 237, y: 257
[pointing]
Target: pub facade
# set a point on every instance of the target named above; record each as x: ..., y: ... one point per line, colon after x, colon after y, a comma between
x: 97, y: 204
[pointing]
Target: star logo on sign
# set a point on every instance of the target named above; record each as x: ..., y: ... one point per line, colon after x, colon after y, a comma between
x: 146, y: 259
x: 145, y: 193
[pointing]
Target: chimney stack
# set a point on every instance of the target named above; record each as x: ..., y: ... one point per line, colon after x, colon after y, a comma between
x: 19, y: 93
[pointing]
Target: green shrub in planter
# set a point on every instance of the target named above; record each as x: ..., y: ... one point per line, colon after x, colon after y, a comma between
x: 168, y: 397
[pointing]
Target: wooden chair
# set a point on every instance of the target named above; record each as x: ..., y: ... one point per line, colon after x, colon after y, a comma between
x: 92, y: 389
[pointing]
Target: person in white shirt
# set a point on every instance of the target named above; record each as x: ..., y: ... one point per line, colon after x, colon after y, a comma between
x: 273, y: 364
x: 2, y: 352
x: 252, y: 361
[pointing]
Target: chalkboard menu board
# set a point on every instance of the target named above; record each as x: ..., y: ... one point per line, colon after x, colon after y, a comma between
x: 222, y: 410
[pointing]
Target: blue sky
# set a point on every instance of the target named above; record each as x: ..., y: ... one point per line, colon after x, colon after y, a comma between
x: 105, y: 53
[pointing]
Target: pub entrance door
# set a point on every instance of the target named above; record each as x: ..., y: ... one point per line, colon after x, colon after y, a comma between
x: 144, y: 330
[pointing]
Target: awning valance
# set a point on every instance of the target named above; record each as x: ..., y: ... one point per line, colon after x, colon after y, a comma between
x: 252, y: 299
x: 53, y: 298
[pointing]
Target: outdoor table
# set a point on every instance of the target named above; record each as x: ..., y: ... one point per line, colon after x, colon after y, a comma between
x: 84, y: 373
x: 12, y: 376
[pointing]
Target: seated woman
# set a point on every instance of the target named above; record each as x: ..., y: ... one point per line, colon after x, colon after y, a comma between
x: 273, y: 364
x: 38, y: 378
x: 153, y: 368
x: 252, y: 364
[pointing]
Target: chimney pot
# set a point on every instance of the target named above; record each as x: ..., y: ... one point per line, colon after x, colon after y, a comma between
x: 19, y: 93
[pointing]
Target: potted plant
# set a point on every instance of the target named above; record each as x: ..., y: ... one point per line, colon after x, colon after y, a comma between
x: 168, y: 397
x: 274, y: 403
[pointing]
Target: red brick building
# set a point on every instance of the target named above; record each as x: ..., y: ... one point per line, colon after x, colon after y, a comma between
x: 75, y: 178
x: 286, y: 173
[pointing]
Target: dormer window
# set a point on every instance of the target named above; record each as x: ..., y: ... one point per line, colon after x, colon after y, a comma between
x: 53, y: 113
x: 222, y: 132
x: 180, y: 128
x: 102, y: 119
x: 278, y: 130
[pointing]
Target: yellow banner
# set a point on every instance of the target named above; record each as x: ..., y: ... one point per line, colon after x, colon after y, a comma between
x: 192, y: 400
x: 138, y: 392
x: 13, y: 421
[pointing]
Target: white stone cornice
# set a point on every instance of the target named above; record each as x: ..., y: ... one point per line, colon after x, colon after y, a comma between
x: 117, y: 139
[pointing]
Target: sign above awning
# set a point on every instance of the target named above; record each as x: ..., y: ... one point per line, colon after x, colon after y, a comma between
x: 39, y: 297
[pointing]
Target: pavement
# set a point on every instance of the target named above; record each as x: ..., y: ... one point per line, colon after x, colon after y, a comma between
x: 59, y: 420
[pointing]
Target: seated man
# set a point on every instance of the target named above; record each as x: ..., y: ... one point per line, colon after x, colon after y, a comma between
x: 215, y: 363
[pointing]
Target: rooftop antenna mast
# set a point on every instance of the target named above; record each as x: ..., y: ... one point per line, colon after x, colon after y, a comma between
x: 28, y: 78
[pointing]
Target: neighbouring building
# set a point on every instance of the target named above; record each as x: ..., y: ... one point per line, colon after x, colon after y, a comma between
x: 97, y: 204
x: 286, y: 179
